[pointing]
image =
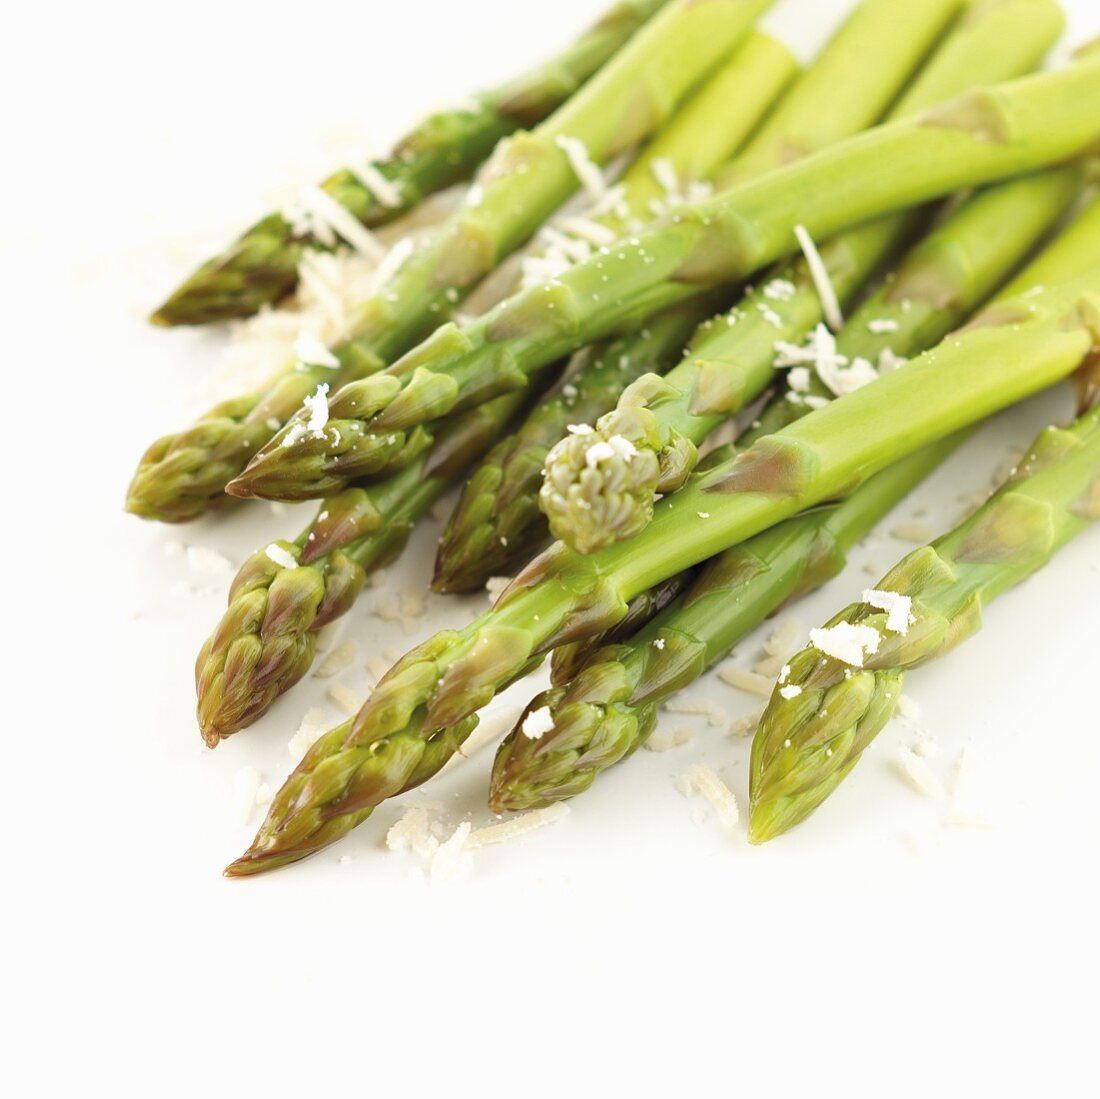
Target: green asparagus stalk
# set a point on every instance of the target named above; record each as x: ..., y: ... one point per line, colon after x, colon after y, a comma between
x: 842, y: 690
x: 610, y: 708
x: 426, y: 705
x: 525, y: 180
x: 665, y: 423
x: 701, y: 245
x: 497, y: 522
x: 285, y: 593
x: 262, y: 266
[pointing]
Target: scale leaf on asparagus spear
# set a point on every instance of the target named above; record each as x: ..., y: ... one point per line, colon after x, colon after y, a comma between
x: 984, y: 136
x: 426, y: 705
x: 842, y: 690
x: 261, y: 267
x: 528, y: 177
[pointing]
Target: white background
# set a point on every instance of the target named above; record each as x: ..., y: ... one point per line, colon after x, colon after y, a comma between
x: 876, y: 948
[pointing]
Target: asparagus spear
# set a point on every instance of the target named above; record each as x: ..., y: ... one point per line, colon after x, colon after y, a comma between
x: 841, y: 691
x: 611, y: 707
x: 497, y: 520
x: 665, y: 423
x: 526, y: 179
x: 426, y: 705
x: 285, y: 593
x: 705, y: 244
x: 262, y: 266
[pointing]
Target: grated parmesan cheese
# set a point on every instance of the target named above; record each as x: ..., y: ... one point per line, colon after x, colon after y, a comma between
x: 830, y: 305
x: 282, y: 557
x: 516, y: 826
x: 899, y: 609
x: 846, y: 642
x: 714, y: 714
x: 882, y: 326
x: 919, y: 775
x: 316, y: 213
x: 662, y: 741
x: 912, y: 532
x: 386, y: 192
x: 742, y: 679
x: 584, y: 167
x: 343, y: 656
x: 495, y: 586
x: 309, y: 350
x: 704, y: 781
x: 537, y: 723
x: 792, y: 690
x: 351, y: 702
x: 203, y: 559
x: 312, y: 728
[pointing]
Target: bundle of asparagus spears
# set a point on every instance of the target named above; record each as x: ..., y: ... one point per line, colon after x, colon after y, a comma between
x: 696, y: 322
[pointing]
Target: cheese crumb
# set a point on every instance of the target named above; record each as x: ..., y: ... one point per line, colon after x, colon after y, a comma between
x: 516, y: 826
x: 714, y: 714
x: 203, y: 559
x: 314, y: 725
x: 584, y: 167
x: 846, y: 642
x: 310, y: 351
x: 386, y: 192
x: 899, y: 609
x: 743, y: 680
x: 450, y: 862
x: 282, y: 557
x: 537, y: 723
x: 340, y: 658
x: 703, y: 780
x: 882, y: 326
x: 495, y: 586
x: 792, y: 690
x: 919, y: 775
x: 780, y: 290
x: 663, y: 741
x: 912, y: 532
x: 351, y: 702
x: 830, y: 304
x: 316, y: 213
